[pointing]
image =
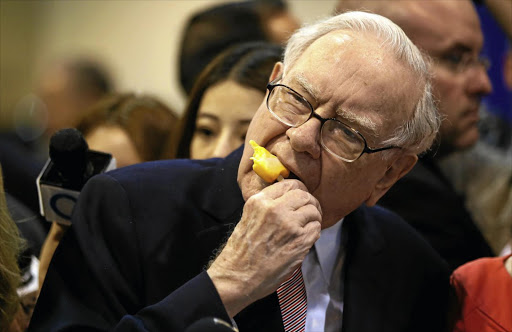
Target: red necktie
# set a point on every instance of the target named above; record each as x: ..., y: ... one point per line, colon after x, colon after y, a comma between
x: 293, y: 302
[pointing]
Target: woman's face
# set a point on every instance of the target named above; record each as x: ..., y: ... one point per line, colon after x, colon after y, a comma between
x: 222, y: 119
x: 114, y: 140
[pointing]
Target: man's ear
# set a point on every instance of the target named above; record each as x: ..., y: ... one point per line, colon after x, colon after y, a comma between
x: 401, y: 166
x: 277, y: 71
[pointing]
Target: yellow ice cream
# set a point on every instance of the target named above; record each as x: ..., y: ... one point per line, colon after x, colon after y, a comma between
x: 266, y: 165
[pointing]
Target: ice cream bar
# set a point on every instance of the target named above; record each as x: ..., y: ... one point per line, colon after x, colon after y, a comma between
x: 266, y: 165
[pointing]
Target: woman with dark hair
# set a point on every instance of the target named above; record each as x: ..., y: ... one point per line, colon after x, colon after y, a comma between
x: 224, y: 100
x: 210, y: 31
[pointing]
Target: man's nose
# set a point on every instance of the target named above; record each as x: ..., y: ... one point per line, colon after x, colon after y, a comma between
x: 306, y: 137
x: 478, y: 82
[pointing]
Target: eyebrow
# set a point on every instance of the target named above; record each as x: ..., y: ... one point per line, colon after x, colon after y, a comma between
x: 460, y: 47
x: 215, y: 118
x: 208, y: 116
x: 306, y: 86
x: 243, y: 122
x: 362, y: 121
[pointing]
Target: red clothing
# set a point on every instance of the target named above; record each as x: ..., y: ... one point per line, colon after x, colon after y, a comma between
x: 484, y: 289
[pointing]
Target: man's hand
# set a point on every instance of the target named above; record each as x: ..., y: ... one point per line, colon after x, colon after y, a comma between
x: 278, y: 227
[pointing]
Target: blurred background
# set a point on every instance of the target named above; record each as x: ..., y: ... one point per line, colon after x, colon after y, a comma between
x: 136, y: 41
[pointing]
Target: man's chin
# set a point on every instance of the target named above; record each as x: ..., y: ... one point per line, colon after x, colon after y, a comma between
x: 468, y: 141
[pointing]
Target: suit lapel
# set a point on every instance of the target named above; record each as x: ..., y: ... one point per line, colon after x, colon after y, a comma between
x: 365, y: 290
x: 224, y: 205
x: 224, y: 200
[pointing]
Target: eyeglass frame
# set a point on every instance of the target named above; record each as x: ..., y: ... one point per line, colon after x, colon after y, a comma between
x: 272, y: 85
x: 466, y: 62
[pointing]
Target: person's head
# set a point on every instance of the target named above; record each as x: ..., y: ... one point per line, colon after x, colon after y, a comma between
x: 10, y: 248
x: 211, y: 31
x: 132, y: 128
x: 68, y: 88
x: 224, y: 100
x: 365, y: 78
x: 449, y: 31
x: 278, y: 21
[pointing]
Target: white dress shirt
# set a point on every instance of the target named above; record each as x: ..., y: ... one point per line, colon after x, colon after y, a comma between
x: 322, y: 270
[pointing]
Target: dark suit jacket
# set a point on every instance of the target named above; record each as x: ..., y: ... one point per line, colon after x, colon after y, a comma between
x: 20, y: 166
x: 427, y: 201
x: 134, y: 258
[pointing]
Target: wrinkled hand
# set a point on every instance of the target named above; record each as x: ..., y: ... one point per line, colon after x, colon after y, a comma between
x: 278, y: 227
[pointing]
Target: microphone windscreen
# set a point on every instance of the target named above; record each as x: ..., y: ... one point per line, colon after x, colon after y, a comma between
x: 68, y: 151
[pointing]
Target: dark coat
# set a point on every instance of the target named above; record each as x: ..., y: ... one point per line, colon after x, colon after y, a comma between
x: 428, y: 202
x: 134, y: 258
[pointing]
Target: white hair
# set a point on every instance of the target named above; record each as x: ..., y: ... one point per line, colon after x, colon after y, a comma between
x: 416, y: 134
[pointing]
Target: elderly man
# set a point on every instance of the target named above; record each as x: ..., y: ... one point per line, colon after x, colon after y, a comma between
x: 347, y: 113
x: 450, y: 32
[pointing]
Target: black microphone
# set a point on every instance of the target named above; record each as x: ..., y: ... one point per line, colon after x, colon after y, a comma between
x: 211, y: 324
x: 70, y: 165
x: 68, y: 152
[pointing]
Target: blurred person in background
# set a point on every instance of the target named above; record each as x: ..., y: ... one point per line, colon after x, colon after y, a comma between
x: 133, y: 128
x: 484, y: 295
x: 13, y: 317
x: 449, y: 31
x: 209, y: 32
x: 69, y: 88
x: 224, y: 100
x: 66, y: 88
x: 278, y: 21
x: 33, y: 233
x: 484, y: 173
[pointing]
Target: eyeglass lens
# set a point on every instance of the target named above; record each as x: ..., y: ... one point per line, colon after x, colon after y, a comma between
x: 293, y: 110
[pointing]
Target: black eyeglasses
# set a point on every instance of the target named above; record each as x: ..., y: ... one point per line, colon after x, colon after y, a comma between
x: 292, y: 109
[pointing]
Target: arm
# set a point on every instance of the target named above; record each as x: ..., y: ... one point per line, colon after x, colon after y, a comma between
x: 112, y: 282
x: 96, y: 279
x: 278, y: 227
